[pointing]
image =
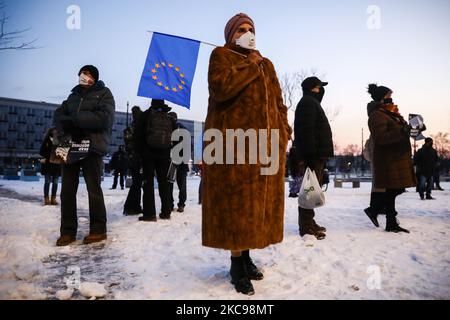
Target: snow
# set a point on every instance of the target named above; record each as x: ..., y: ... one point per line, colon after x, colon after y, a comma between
x: 92, y: 290
x: 64, y: 294
x: 165, y: 260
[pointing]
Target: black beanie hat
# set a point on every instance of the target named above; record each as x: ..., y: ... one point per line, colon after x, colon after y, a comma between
x: 378, y: 92
x: 92, y: 70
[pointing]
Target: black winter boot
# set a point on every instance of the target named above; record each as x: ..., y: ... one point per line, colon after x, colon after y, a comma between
x: 393, y: 226
x: 252, y: 270
x: 239, y: 276
x: 376, y: 207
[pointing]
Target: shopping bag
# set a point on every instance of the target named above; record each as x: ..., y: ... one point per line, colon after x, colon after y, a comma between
x: 311, y: 195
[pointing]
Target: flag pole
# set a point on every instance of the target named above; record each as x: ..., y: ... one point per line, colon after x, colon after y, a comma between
x: 207, y: 43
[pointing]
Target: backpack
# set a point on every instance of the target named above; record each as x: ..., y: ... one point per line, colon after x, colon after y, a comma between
x: 159, y: 130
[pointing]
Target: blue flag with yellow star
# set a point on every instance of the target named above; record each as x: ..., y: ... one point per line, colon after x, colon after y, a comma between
x: 169, y: 69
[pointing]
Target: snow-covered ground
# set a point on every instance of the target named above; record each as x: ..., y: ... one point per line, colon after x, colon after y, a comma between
x: 165, y: 260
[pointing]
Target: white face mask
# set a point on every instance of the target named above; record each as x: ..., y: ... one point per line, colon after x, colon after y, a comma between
x: 247, y: 41
x: 85, y: 80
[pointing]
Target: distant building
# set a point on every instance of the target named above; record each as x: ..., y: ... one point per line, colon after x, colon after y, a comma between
x: 23, y: 125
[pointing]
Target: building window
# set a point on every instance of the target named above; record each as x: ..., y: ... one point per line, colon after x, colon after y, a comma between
x: 12, y: 110
x: 22, y: 120
x: 12, y: 127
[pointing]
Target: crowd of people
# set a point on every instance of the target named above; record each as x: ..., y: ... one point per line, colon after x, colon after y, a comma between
x: 242, y: 209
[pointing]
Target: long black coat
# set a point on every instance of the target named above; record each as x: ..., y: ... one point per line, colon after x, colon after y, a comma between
x: 426, y: 159
x: 313, y: 137
x: 93, y: 114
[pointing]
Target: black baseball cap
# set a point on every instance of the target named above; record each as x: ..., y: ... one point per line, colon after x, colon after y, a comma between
x: 312, y: 82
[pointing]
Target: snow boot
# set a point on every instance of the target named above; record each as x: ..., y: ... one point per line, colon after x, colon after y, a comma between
x: 372, y: 216
x: 239, y: 276
x: 47, y: 201
x: 317, y: 227
x: 164, y: 216
x: 65, y: 240
x: 429, y: 197
x: 392, y: 225
x: 148, y: 219
x: 252, y: 270
x: 53, y: 201
x: 304, y: 230
x: 92, y: 238
x: 180, y: 209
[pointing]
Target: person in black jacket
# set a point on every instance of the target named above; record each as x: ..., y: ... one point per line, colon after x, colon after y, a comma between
x: 119, y: 165
x: 425, y: 160
x: 132, y: 205
x: 51, y: 171
x: 314, y: 144
x: 87, y: 114
x: 153, y: 141
x: 181, y: 179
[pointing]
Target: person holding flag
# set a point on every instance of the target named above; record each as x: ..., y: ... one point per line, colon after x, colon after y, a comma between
x: 241, y: 208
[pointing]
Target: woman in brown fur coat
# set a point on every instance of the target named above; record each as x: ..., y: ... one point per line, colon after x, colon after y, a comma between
x: 243, y: 209
x: 392, y: 159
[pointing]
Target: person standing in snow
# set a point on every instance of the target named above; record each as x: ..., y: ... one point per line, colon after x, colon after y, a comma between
x: 51, y: 171
x: 87, y: 114
x: 314, y: 144
x: 153, y: 138
x: 119, y: 163
x: 132, y: 204
x: 242, y: 209
x: 392, y: 159
x: 426, y: 159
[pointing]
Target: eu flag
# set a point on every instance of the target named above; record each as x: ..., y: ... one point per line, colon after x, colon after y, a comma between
x: 169, y: 69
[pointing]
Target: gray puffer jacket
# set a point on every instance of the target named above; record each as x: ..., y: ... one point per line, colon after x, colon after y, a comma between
x: 92, y: 113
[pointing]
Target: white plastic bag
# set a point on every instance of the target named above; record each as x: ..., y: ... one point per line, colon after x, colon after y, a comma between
x: 311, y: 195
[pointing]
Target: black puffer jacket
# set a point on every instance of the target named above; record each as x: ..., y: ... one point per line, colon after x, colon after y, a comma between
x: 426, y: 159
x: 92, y: 112
x: 313, y: 137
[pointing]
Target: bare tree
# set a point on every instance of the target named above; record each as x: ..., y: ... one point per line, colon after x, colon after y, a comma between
x: 10, y: 40
x: 351, y: 150
x: 441, y: 143
x: 290, y: 88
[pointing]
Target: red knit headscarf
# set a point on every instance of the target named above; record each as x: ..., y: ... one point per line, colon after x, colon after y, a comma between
x: 234, y: 23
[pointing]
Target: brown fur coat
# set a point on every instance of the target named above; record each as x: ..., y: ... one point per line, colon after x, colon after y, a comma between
x: 392, y: 159
x: 243, y: 209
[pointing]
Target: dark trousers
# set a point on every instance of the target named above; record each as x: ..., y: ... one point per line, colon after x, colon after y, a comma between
x: 49, y: 179
x: 156, y: 162
x: 389, y: 197
x: 306, y: 216
x: 181, y: 183
x: 116, y: 177
x: 437, y: 180
x: 425, y: 185
x: 133, y: 201
x: 92, y: 171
